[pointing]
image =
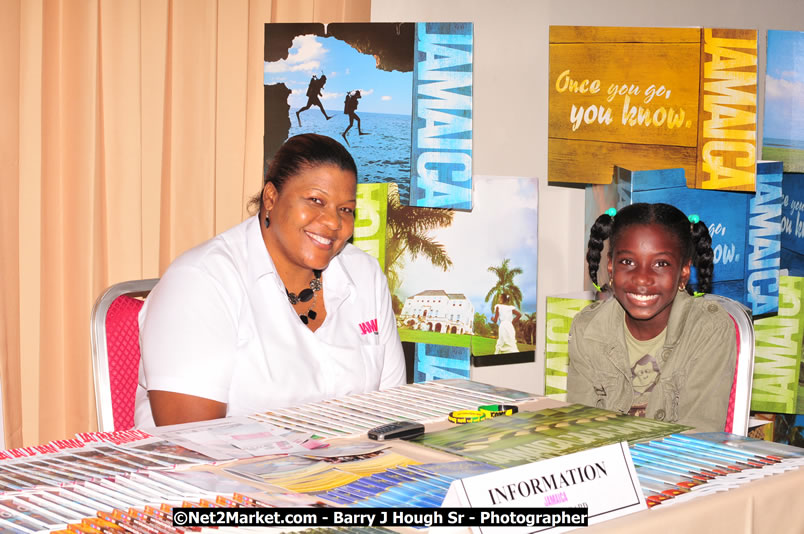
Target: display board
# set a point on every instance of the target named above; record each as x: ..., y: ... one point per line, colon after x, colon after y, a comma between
x: 653, y: 98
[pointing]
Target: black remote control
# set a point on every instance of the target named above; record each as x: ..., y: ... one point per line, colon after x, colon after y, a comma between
x: 396, y: 430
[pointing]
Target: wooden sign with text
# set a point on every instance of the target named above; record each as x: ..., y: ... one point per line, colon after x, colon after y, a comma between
x: 653, y: 98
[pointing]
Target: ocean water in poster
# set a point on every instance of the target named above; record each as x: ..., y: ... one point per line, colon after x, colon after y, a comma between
x: 324, y: 83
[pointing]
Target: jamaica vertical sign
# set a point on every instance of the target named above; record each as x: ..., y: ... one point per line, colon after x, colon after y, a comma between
x: 727, y: 140
x: 441, y: 154
x: 777, y: 352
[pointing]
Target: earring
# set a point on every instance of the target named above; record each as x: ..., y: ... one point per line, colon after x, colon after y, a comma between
x: 267, y: 220
x: 682, y: 287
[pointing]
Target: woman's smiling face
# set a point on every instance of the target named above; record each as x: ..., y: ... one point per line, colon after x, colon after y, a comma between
x: 312, y: 217
x: 646, y: 268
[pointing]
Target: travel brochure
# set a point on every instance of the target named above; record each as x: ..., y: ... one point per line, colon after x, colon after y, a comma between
x: 307, y: 475
x: 234, y: 437
x: 354, y: 415
x: 680, y: 467
x: 532, y: 436
x: 423, y: 485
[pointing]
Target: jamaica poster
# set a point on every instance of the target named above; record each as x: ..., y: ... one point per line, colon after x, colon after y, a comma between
x: 397, y: 95
x: 653, y: 98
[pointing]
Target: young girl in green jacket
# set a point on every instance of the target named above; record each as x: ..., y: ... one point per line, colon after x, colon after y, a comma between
x: 653, y: 349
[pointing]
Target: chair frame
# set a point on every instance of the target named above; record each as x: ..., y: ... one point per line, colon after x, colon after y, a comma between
x: 745, y: 366
x: 100, y: 357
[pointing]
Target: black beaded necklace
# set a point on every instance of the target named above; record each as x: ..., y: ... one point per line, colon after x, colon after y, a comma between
x: 305, y: 295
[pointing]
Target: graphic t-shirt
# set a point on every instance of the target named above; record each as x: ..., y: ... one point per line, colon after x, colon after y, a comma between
x: 645, y: 370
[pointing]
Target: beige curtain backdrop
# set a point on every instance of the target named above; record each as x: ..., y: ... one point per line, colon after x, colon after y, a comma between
x: 130, y: 131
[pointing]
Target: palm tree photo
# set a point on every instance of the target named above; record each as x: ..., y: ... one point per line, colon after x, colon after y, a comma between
x: 436, y: 263
x: 528, y: 329
x: 407, y: 231
x: 505, y: 284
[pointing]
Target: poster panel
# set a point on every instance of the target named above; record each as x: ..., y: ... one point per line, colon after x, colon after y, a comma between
x: 653, y: 98
x: 397, y: 95
x: 445, y: 279
x: 783, y: 123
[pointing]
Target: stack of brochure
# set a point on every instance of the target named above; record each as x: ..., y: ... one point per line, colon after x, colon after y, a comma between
x: 682, y: 467
x: 236, y: 437
x: 134, y: 502
x: 362, y: 474
x: 65, y: 511
x: 355, y: 415
x: 91, y: 463
x: 313, y: 474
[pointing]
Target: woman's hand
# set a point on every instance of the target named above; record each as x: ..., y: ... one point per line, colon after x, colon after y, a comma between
x: 170, y: 408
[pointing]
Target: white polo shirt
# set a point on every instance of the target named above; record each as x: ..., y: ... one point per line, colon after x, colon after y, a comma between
x: 219, y: 325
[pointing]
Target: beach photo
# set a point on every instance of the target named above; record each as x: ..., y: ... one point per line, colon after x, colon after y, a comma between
x: 783, y: 128
x: 351, y: 82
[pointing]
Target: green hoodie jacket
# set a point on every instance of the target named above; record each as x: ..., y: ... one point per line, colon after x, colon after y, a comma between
x: 696, y: 364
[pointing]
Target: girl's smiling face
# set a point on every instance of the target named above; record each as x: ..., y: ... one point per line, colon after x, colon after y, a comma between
x: 646, y: 268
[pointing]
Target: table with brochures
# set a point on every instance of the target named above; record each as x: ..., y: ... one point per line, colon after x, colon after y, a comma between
x: 771, y: 504
x: 329, y: 461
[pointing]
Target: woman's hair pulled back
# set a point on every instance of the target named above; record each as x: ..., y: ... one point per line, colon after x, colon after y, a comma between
x: 301, y: 152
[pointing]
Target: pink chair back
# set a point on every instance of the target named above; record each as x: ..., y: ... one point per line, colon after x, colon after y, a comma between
x: 123, y: 352
x: 740, y: 395
x: 733, y: 394
x: 114, y: 336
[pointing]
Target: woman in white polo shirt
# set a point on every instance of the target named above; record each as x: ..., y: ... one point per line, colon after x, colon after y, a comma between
x: 278, y: 311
